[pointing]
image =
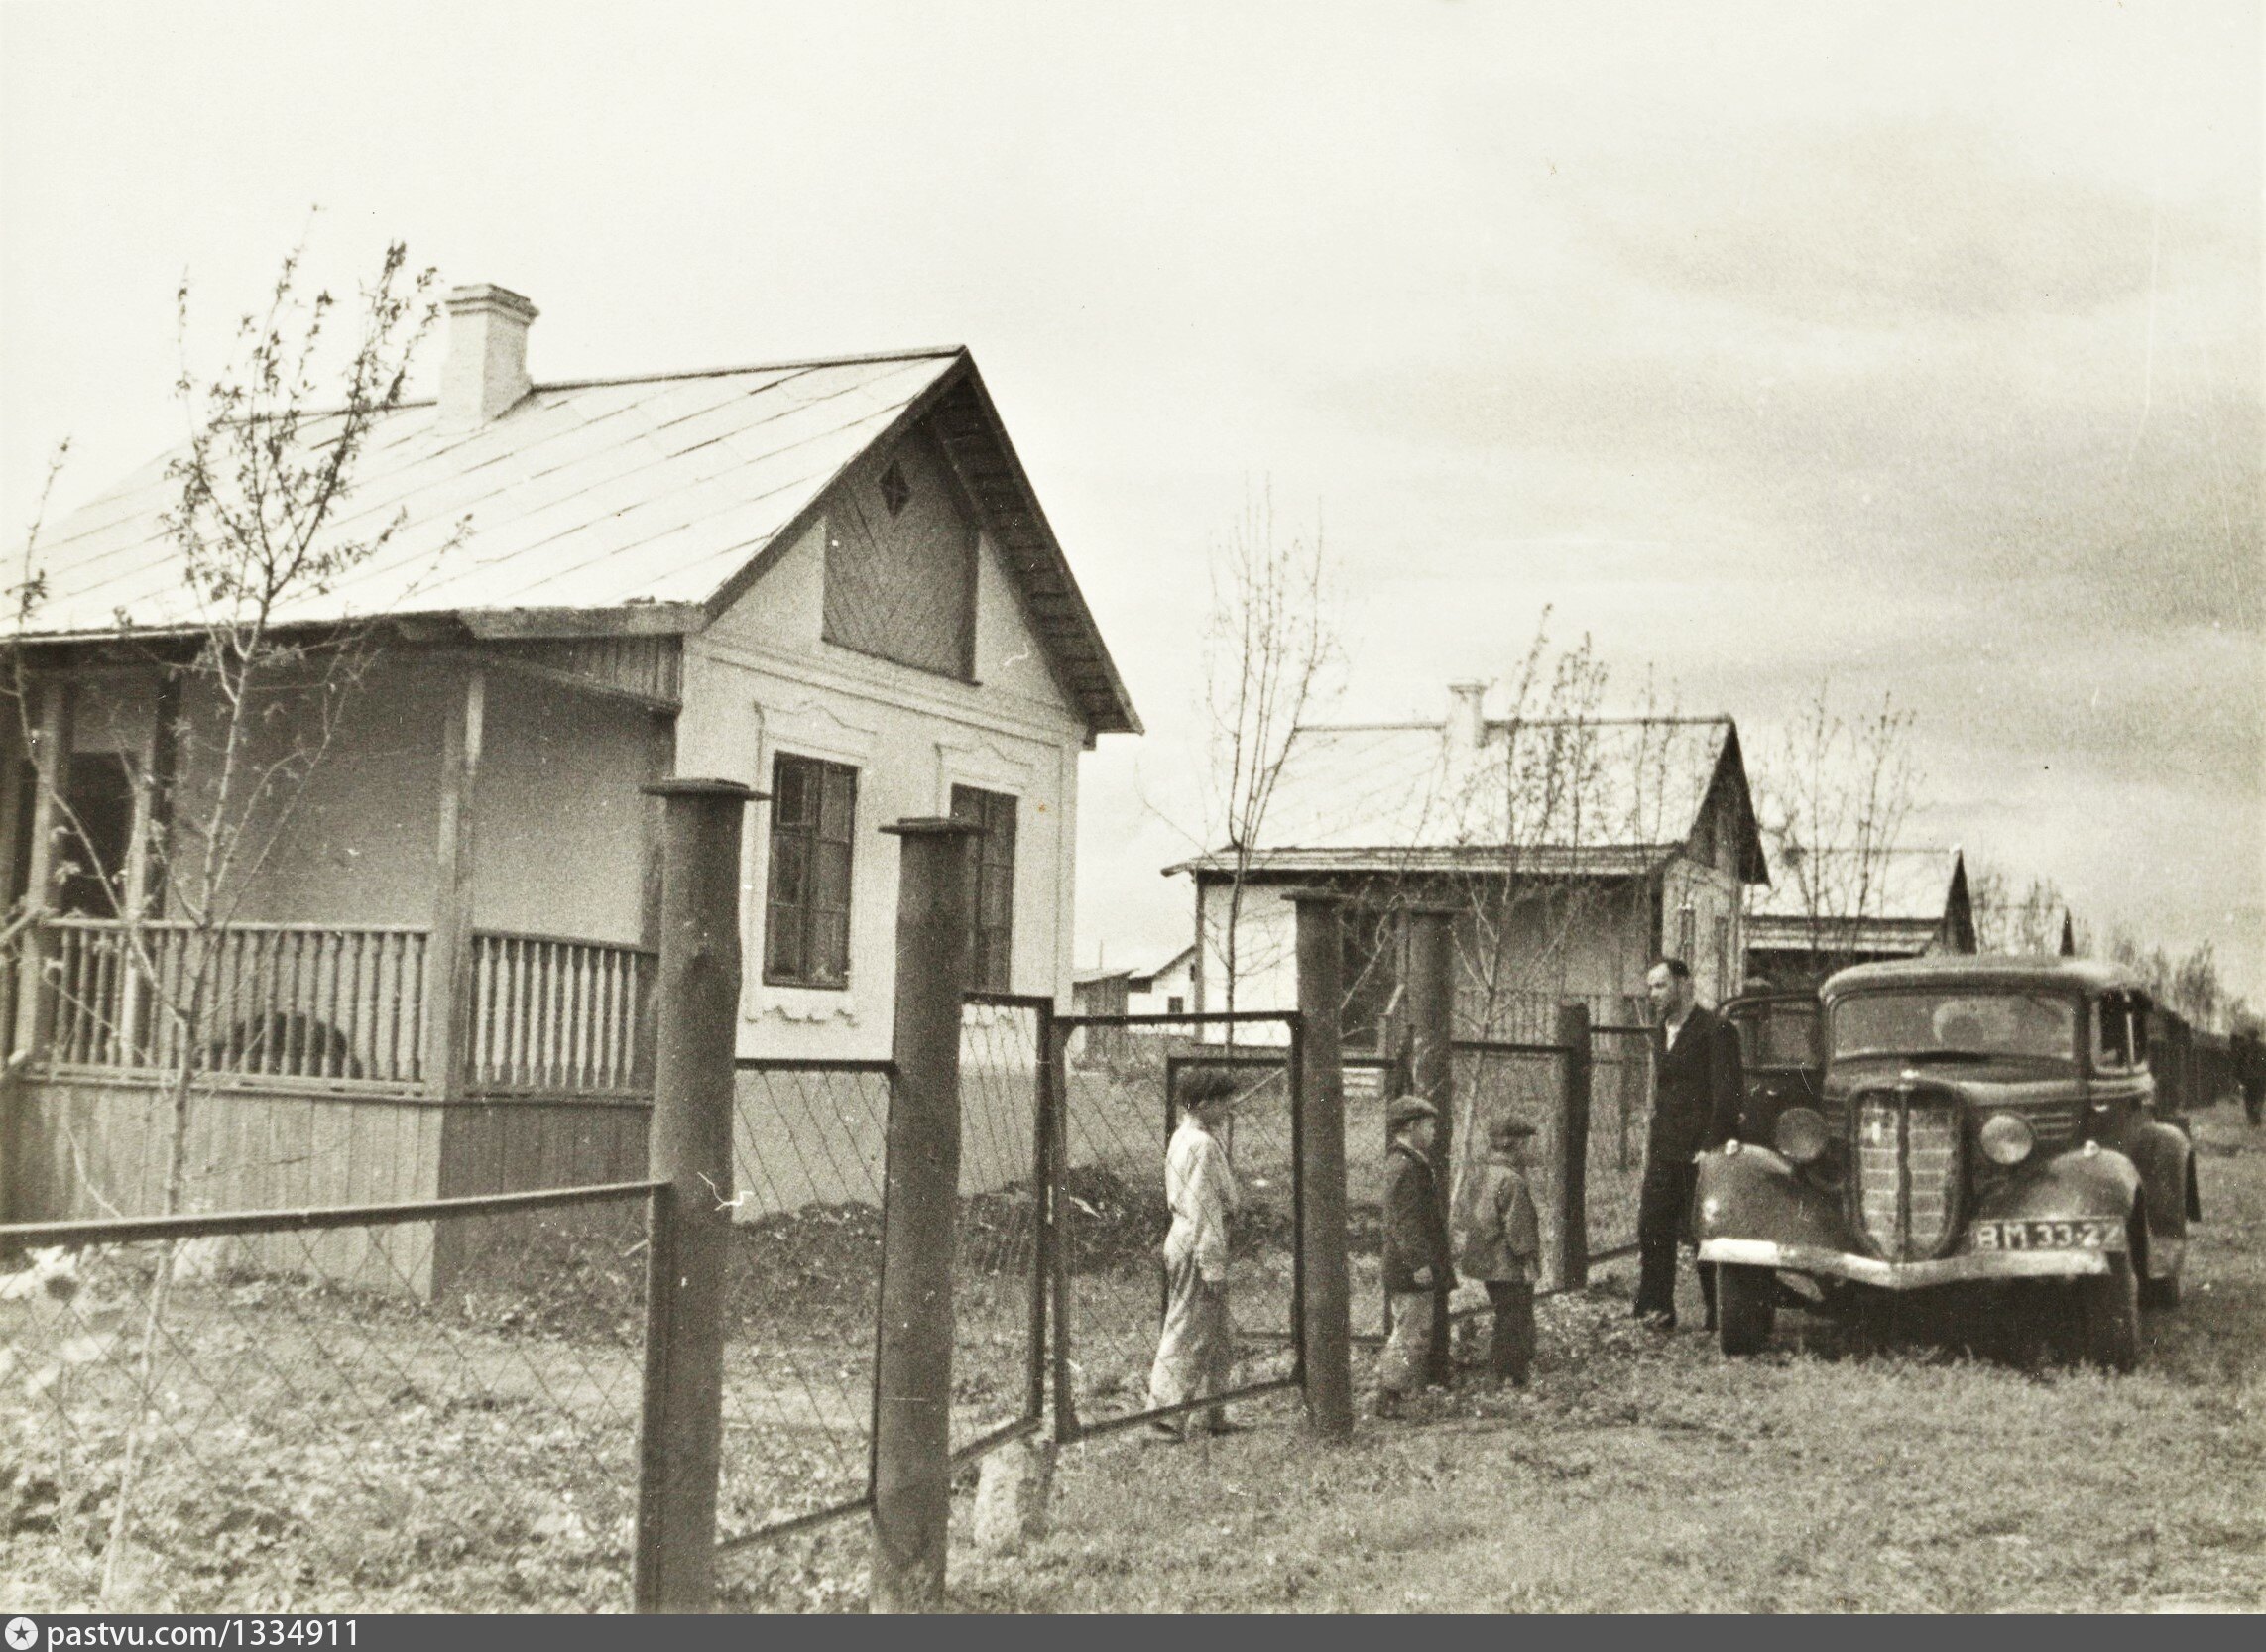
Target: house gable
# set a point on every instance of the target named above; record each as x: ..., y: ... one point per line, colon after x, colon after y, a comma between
x: 899, y: 565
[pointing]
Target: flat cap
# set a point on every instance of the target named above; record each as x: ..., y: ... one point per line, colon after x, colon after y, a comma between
x: 1406, y: 1109
x: 1505, y: 1130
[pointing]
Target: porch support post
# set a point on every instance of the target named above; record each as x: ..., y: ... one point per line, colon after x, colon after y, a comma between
x: 1324, y: 1291
x: 449, y: 958
x: 912, y: 1376
x: 1431, y: 1017
x: 661, y: 764
x: 51, y: 761
x: 681, y: 1427
x: 145, y: 861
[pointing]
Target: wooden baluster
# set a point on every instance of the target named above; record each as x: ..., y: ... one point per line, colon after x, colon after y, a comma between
x: 585, y: 958
x: 476, y: 1019
x: 418, y: 964
x: 385, y: 1005
x: 610, y: 1069
x: 570, y: 1021
x: 350, y: 980
x: 325, y: 1034
x: 112, y: 987
x: 290, y: 949
x: 67, y: 956
x: 549, y: 979
x: 524, y: 1011
x: 82, y: 996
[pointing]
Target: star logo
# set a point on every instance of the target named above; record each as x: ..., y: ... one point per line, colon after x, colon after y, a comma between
x: 22, y: 1634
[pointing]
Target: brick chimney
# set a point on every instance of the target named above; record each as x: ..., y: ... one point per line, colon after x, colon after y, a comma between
x: 485, y: 370
x: 1466, y: 714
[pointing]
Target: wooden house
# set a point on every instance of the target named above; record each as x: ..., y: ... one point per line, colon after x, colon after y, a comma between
x: 1828, y: 909
x: 1572, y: 852
x: 830, y: 580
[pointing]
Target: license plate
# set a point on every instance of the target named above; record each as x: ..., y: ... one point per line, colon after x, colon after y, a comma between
x: 2081, y: 1234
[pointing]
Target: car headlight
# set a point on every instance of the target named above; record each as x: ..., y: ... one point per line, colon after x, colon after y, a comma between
x: 1801, y: 1134
x: 2006, y: 1138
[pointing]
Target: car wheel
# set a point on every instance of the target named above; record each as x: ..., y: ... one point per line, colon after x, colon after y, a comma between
x: 1746, y: 1305
x: 2159, y: 1293
x: 2106, y: 1317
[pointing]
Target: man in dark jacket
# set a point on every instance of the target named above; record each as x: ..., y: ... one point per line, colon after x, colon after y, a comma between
x: 1416, y: 1256
x: 2250, y: 1072
x: 1697, y: 1088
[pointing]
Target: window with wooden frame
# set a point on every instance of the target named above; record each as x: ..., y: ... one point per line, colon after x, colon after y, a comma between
x: 1687, y: 934
x: 806, y: 908
x: 991, y: 915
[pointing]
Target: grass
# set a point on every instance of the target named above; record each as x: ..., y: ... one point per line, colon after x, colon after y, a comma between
x: 1648, y: 1473
x: 330, y: 1451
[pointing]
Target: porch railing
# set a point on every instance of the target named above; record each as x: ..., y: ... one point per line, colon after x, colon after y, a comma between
x: 276, y: 1000
x: 343, y: 1007
x: 552, y: 1015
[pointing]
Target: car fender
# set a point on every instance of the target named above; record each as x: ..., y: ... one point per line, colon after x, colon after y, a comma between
x: 2069, y: 1186
x: 2161, y: 1154
x: 1755, y: 1193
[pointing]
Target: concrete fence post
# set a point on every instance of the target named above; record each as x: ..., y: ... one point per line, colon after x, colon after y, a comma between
x: 1570, y: 1151
x: 912, y: 1376
x: 1324, y: 1291
x: 1431, y: 1021
x: 689, y: 1147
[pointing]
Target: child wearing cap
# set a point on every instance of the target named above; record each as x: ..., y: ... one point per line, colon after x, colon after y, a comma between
x: 1416, y: 1260
x: 1501, y: 1241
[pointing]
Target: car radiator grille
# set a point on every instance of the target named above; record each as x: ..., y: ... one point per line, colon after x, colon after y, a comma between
x: 1907, y: 1173
x: 2055, y: 1125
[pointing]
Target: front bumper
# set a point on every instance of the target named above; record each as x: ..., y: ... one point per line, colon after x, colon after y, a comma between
x: 1757, y: 1211
x: 1906, y: 1276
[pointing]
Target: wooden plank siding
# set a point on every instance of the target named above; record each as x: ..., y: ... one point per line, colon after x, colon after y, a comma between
x: 514, y: 1146
x: 90, y: 1151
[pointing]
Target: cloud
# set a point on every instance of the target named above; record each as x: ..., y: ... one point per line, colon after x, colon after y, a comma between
x: 1876, y: 227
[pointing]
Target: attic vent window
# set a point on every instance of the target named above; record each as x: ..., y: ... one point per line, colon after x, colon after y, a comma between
x: 896, y: 492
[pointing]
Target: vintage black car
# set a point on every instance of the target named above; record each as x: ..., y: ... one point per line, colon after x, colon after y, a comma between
x: 1981, y: 1121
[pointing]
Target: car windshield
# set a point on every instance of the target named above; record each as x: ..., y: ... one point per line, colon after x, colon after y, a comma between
x: 1968, y: 1024
x: 1778, y: 1035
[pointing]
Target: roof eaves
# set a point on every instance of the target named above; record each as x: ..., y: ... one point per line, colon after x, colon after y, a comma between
x: 1123, y: 719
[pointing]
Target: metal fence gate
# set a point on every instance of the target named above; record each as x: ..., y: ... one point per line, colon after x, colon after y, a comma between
x: 1115, y: 1076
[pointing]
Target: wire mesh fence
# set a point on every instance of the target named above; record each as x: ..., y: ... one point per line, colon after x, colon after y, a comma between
x: 1524, y: 1083
x: 1113, y: 1126
x: 802, y: 1292
x: 278, y: 1412
x: 1620, y: 1119
x: 998, y: 1332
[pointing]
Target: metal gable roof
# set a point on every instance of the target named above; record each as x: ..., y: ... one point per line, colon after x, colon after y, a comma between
x: 1899, y: 885
x: 655, y: 496
x: 1604, y: 797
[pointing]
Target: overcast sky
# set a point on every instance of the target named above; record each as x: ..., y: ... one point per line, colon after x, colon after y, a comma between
x: 1920, y: 343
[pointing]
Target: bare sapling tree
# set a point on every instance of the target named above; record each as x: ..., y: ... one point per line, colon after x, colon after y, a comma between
x: 1836, y: 797
x: 2029, y: 923
x: 1530, y: 803
x: 1271, y: 656
x: 248, y: 671
x: 2190, y: 985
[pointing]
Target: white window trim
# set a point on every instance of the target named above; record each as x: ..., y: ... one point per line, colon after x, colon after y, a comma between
x: 808, y: 728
